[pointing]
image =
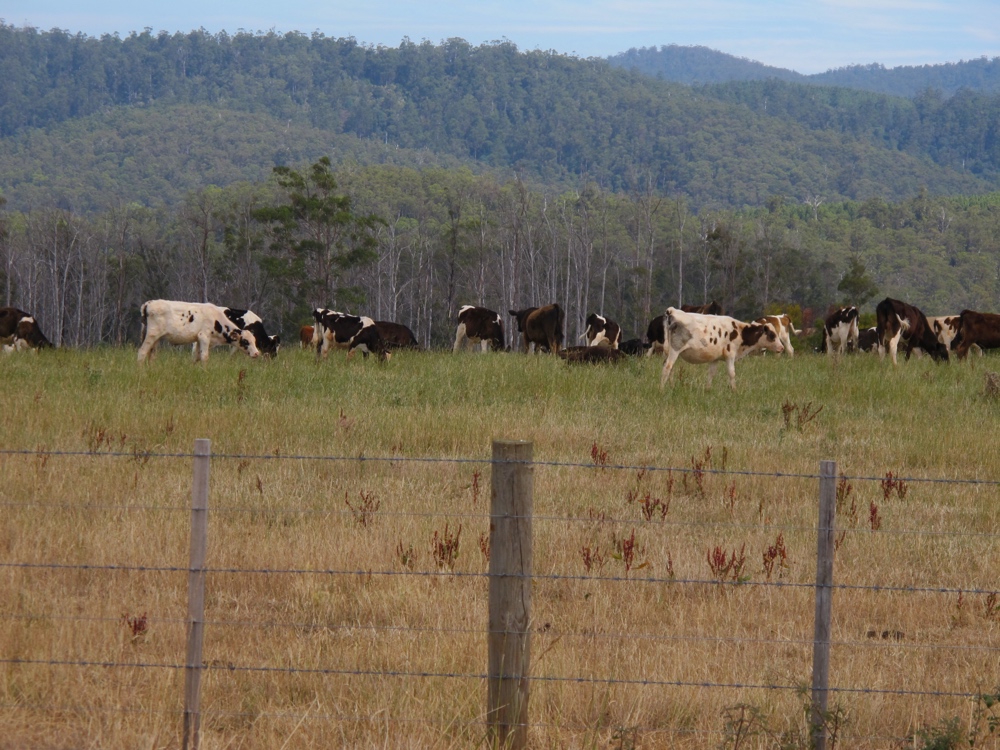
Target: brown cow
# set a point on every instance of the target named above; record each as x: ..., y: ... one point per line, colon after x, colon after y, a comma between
x: 976, y: 329
x: 712, y: 308
x: 21, y: 331
x: 592, y: 355
x: 541, y: 326
x: 396, y: 335
x: 898, y: 321
x: 306, y: 337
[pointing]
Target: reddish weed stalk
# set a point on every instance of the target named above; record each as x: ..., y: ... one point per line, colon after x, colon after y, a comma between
x: 364, y: 512
x: 592, y: 558
x: 776, y: 555
x: 138, y: 625
x: 626, y: 550
x: 892, y: 483
x: 725, y: 567
x: 444, y: 547
x: 599, y: 456
x: 874, y: 518
x: 475, y: 487
x: 484, y: 545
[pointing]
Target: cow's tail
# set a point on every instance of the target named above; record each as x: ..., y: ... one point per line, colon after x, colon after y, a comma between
x: 142, y: 330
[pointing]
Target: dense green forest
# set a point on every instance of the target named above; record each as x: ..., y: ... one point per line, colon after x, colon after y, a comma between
x: 551, y: 118
x: 701, y: 65
x: 160, y: 165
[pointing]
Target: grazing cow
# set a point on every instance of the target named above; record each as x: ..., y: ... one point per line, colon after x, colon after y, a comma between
x: 782, y: 324
x: 898, y: 321
x: 479, y: 325
x: 712, y: 308
x: 20, y: 331
x: 868, y: 340
x: 945, y: 328
x: 976, y: 329
x: 396, y: 335
x: 707, y: 339
x: 656, y: 335
x: 592, y: 355
x: 341, y: 331
x: 602, y: 332
x: 634, y: 347
x: 541, y: 326
x: 840, y: 330
x: 248, y: 320
x: 306, y: 337
x: 200, y: 323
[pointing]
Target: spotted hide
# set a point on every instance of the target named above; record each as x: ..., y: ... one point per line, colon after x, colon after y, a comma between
x: 478, y: 325
x: 602, y: 332
x: 342, y: 331
x: 709, y: 339
x: 19, y: 331
x: 840, y: 330
x: 899, y: 322
x: 541, y: 326
x: 200, y: 323
x: 976, y: 329
x: 782, y: 325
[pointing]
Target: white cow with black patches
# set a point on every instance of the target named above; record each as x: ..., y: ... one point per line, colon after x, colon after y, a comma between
x: 708, y: 339
x: 200, y: 323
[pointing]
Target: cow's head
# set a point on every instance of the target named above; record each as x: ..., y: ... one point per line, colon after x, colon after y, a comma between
x: 30, y: 334
x: 244, y: 339
x: 761, y: 336
x: 522, y: 317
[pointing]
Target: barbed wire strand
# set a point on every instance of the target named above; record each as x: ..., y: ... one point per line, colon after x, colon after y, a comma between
x: 881, y: 588
x: 145, y: 455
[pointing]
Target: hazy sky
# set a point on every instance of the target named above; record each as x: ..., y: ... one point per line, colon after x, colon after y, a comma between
x: 809, y: 36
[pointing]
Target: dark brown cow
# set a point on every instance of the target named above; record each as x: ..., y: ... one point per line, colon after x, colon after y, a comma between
x: 712, y: 308
x: 976, y: 329
x: 592, y: 355
x: 634, y: 347
x: 898, y: 321
x: 20, y: 330
x: 602, y: 332
x: 541, y: 326
x: 396, y: 335
x: 479, y: 325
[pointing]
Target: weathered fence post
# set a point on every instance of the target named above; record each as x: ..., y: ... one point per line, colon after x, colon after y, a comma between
x: 196, y: 592
x: 510, y: 594
x: 824, y: 600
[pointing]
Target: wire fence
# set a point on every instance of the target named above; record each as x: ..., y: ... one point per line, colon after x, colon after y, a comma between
x: 613, y: 615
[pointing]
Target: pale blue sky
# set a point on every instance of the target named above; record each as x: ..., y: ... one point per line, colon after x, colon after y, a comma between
x: 809, y: 37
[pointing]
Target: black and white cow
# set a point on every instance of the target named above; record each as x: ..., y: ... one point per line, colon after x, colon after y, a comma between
x: 19, y: 331
x: 656, y: 335
x: 337, y: 330
x: 840, y: 330
x: 708, y: 339
x: 868, y: 339
x: 248, y: 320
x: 479, y: 325
x: 602, y: 332
x: 200, y: 323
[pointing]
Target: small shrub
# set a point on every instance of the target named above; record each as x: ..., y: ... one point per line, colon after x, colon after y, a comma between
x: 592, y: 558
x: 727, y: 567
x: 444, y: 548
x: 626, y: 550
x: 405, y: 556
x: 776, y: 556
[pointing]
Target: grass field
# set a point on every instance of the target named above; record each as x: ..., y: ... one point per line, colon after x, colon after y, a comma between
x: 390, y: 657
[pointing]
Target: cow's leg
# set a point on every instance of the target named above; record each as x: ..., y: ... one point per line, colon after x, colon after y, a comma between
x: 786, y: 340
x: 711, y: 373
x: 201, y: 347
x: 459, y: 338
x: 147, y: 348
x: 668, y: 366
x: 893, y: 346
x: 731, y: 369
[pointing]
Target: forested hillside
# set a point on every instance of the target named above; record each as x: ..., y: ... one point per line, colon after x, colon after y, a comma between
x: 552, y: 118
x: 144, y: 167
x: 699, y: 65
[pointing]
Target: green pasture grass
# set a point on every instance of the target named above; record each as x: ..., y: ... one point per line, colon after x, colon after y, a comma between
x: 272, y: 509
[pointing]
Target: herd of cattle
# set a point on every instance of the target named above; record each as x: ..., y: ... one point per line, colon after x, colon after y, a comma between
x: 697, y: 334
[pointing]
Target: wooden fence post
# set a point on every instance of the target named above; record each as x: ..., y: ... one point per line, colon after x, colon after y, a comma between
x: 196, y: 593
x: 824, y: 600
x: 510, y: 594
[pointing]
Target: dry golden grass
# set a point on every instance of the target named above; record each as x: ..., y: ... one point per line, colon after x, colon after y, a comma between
x: 378, y: 656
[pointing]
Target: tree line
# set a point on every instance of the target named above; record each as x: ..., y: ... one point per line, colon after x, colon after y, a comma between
x: 412, y: 246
